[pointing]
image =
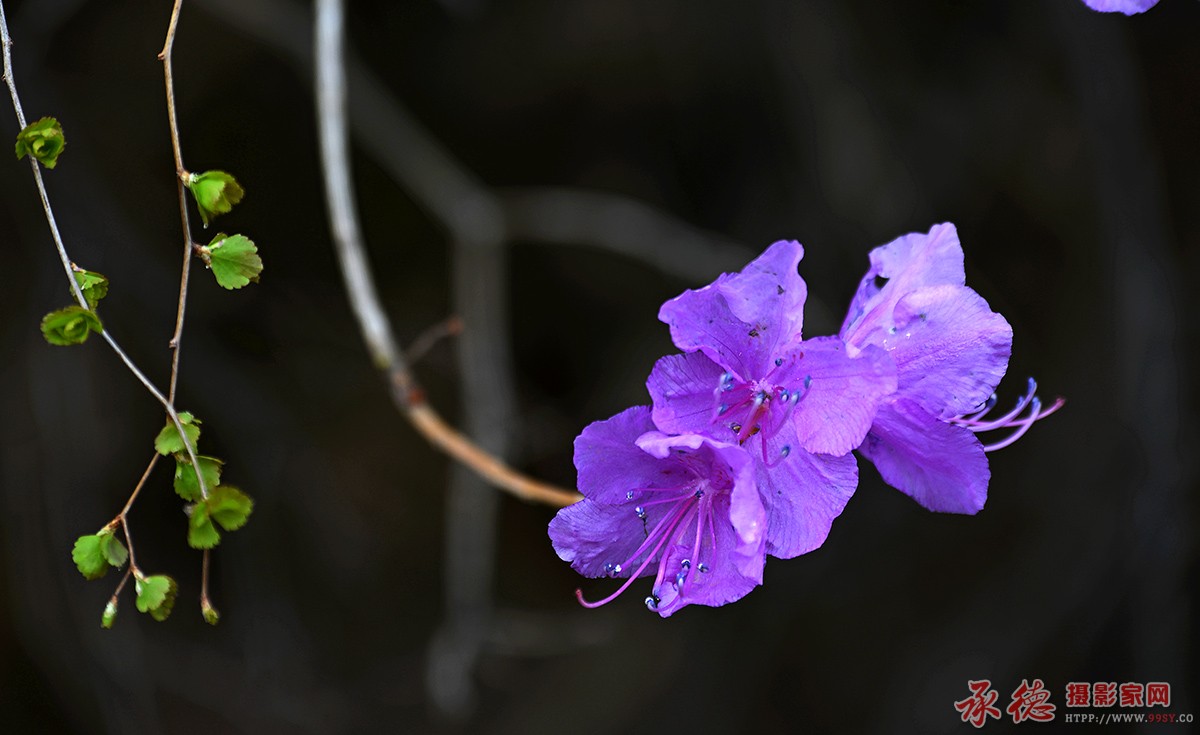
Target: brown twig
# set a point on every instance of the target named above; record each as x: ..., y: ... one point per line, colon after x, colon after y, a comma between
x: 360, y: 284
x: 176, y: 343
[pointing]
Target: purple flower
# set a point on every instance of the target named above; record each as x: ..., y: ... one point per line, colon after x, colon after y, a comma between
x: 682, y: 507
x: 1128, y: 7
x: 950, y: 351
x: 799, y: 406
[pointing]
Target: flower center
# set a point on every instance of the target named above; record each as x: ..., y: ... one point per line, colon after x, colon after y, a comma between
x: 758, y: 407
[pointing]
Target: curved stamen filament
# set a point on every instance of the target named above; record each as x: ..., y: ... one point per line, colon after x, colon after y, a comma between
x: 1035, y: 414
x: 1010, y: 420
x: 975, y: 425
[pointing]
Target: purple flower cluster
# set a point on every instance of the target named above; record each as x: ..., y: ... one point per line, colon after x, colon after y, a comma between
x: 746, y: 450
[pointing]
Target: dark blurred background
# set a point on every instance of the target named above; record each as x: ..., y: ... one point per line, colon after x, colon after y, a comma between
x: 552, y: 170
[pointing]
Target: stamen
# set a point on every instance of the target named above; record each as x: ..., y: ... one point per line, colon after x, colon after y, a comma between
x: 1035, y: 414
x: 674, y: 520
x: 1010, y: 420
x: 1004, y: 420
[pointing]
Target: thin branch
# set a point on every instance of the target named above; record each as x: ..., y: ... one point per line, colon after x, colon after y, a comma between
x: 188, y: 247
x: 180, y: 178
x: 138, y: 488
x: 360, y: 284
x: 451, y: 326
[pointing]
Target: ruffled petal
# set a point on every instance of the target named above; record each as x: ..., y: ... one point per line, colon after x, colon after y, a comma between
x: 1128, y: 7
x: 683, y: 388
x: 593, y: 535
x: 940, y: 465
x: 840, y: 393
x: 742, y: 319
x: 905, y: 264
x: 609, y: 462
x: 802, y: 494
x: 950, y: 348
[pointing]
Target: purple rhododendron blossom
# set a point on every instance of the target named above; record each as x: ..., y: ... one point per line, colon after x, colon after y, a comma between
x: 684, y: 508
x: 751, y: 374
x: 950, y: 351
x: 1128, y: 7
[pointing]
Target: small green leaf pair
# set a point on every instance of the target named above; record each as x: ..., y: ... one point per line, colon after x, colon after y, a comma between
x: 155, y: 595
x: 94, y: 554
x: 169, y: 441
x: 43, y: 140
x: 229, y: 507
x: 73, y: 324
x: 215, y: 191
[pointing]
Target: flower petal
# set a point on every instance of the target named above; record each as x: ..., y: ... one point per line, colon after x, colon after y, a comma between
x: 592, y: 535
x: 907, y: 263
x: 950, y: 348
x: 607, y: 459
x: 840, y: 393
x: 1128, y: 7
x: 683, y: 388
x: 940, y: 465
x: 802, y: 493
x: 742, y: 320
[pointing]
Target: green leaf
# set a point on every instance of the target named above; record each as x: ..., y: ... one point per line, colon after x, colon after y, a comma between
x: 114, y: 551
x: 43, y: 140
x: 70, y: 326
x: 168, y: 440
x: 94, y: 285
x: 229, y: 507
x: 156, y: 595
x: 185, y: 477
x: 88, y: 555
x: 211, y: 616
x: 215, y: 191
x: 110, y: 614
x: 201, y: 532
x: 233, y: 259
